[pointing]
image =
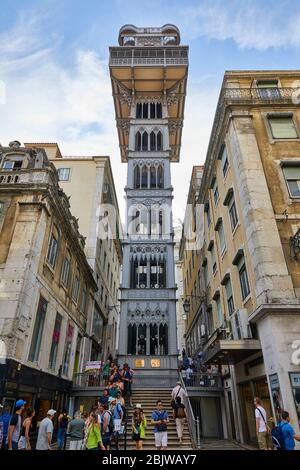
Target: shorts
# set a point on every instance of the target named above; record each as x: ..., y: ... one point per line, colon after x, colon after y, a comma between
x: 161, y: 439
x: 263, y: 440
x: 22, y: 444
x: 106, y: 439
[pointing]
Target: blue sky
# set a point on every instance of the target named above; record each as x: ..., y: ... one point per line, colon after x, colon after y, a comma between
x: 53, y: 62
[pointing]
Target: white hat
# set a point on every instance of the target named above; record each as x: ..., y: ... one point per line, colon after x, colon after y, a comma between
x: 138, y: 405
x: 51, y: 412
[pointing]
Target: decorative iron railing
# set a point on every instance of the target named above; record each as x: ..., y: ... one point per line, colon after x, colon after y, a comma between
x: 203, y: 380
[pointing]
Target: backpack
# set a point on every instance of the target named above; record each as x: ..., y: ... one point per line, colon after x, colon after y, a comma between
x: 110, y: 422
x: 278, y: 438
x: 179, y: 413
x: 64, y: 422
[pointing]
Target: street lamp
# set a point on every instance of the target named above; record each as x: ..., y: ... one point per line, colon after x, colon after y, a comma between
x: 186, y: 307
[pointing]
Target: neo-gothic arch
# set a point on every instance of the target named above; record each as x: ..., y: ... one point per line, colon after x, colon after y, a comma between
x: 149, y: 109
x: 149, y: 140
x: 149, y: 175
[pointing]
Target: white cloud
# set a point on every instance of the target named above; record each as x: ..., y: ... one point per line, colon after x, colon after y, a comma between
x: 50, y: 102
x: 250, y: 23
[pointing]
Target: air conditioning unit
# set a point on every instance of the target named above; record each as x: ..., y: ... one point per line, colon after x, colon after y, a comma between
x: 202, y: 330
x: 240, y: 325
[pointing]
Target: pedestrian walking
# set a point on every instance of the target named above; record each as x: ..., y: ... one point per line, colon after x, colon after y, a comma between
x: 14, y: 428
x: 139, y: 424
x: 262, y: 429
x: 105, y: 372
x: 45, y: 432
x: 24, y: 441
x: 76, y: 431
x: 178, y: 391
x: 94, y: 439
x: 106, y: 421
x: 160, y: 420
x: 179, y: 414
x: 63, y: 421
x: 127, y: 376
x: 4, y: 420
x: 288, y: 434
x: 105, y: 397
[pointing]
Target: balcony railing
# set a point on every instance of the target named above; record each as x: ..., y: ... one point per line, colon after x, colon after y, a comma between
x: 203, y: 380
x: 86, y: 380
x: 148, y: 56
x: 23, y: 176
x: 257, y: 95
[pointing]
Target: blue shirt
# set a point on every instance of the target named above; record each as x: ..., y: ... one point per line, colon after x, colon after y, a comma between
x: 288, y: 435
x: 5, y: 419
x: 157, y: 416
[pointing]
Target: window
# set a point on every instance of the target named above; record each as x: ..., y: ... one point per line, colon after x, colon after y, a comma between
x: 63, y: 174
x: 55, y: 342
x: 219, y: 311
x: 68, y: 349
x: 144, y: 182
x: 65, y: 272
x: 144, y: 141
x: 84, y: 298
x: 1, y: 208
x: 220, y: 230
x: 105, y: 302
x: 207, y: 210
x: 245, y: 289
x: 108, y: 270
x: 13, y: 165
x: 292, y: 177
x: 215, y: 191
x: 224, y: 161
x: 282, y: 127
x: 76, y: 285
x: 97, y: 325
x: 53, y: 247
x: 213, y: 259
x: 229, y: 295
x: 268, y: 89
x: 210, y: 320
x: 38, y: 331
x: 139, y: 110
x: 233, y: 214
x: 138, y: 141
x: 104, y: 261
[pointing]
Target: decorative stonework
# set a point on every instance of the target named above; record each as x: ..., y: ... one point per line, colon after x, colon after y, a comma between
x: 124, y: 124
x: 172, y: 98
x: 148, y: 202
x: 174, y: 125
x: 148, y: 41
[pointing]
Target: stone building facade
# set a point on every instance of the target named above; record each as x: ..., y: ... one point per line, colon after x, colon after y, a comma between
x: 47, y: 287
x: 94, y: 176
x: 249, y: 260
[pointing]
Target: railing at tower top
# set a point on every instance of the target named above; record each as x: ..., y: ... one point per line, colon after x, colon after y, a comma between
x: 122, y: 56
x: 193, y: 423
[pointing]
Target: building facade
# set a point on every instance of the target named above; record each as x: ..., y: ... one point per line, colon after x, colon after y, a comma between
x: 148, y: 73
x: 93, y: 175
x: 249, y: 260
x: 47, y: 286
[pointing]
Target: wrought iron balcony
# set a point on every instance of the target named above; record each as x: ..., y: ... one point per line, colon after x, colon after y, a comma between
x: 203, y: 380
x: 259, y: 95
x: 149, y: 56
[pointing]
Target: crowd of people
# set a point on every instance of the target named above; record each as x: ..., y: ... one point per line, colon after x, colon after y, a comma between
x: 194, y: 373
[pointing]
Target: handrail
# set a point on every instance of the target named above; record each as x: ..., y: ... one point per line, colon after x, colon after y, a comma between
x: 193, y: 423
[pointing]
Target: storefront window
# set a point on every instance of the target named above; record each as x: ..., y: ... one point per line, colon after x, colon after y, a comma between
x: 276, y: 396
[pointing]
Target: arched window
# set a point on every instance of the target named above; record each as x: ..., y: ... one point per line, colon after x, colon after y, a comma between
x: 163, y: 339
x: 137, y: 177
x: 76, y: 286
x: 144, y: 141
x: 160, y: 177
x: 138, y: 141
x: 142, y: 339
x: 131, y: 345
x: 158, y: 111
x: 144, y: 177
x: 145, y: 111
x: 159, y: 141
x: 153, y: 339
x: 152, y: 141
x: 152, y: 177
x: 139, y: 111
x: 152, y: 110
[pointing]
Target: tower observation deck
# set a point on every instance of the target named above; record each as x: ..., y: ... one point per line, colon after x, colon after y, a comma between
x: 148, y: 74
